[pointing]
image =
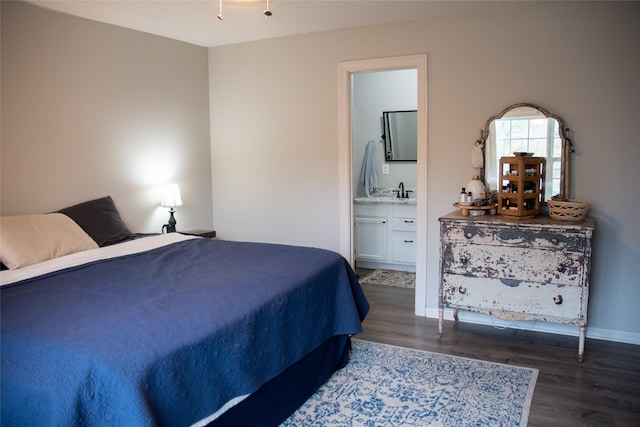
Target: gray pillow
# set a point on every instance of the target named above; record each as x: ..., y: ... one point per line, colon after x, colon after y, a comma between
x: 100, y: 219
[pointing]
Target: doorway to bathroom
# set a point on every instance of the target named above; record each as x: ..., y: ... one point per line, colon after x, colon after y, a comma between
x: 384, y: 176
x: 371, y: 231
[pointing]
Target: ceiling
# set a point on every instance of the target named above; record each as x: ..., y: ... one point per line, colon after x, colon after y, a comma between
x: 196, y: 21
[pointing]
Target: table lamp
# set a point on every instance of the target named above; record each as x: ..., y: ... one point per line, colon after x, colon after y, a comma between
x: 170, y: 200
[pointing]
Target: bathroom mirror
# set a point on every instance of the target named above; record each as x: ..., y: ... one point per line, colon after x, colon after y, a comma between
x: 528, y: 128
x: 400, y: 135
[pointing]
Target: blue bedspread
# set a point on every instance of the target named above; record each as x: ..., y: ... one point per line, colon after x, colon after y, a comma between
x: 167, y: 336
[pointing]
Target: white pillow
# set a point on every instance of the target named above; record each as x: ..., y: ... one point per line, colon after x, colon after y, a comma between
x: 30, y: 239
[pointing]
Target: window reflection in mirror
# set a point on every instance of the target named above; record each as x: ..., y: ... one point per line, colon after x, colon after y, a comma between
x: 400, y: 135
x: 525, y: 129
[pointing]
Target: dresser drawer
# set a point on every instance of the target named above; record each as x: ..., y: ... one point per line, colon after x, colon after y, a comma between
x: 514, y: 263
x: 532, y: 237
x: 559, y: 240
x: 521, y: 299
x: 466, y: 234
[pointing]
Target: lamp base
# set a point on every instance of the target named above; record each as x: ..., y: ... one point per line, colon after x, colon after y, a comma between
x: 171, y: 226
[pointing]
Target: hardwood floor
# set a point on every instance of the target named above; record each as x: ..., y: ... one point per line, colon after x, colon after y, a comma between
x: 604, y: 390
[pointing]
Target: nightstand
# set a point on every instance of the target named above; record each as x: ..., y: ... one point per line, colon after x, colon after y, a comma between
x: 209, y: 234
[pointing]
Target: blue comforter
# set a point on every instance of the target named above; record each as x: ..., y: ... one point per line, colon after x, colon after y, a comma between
x: 167, y: 336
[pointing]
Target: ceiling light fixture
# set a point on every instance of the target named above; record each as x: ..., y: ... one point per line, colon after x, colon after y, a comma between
x: 220, y: 16
x: 267, y: 13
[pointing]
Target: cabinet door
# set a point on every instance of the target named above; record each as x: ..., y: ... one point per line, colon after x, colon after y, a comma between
x: 371, y: 238
x: 403, y: 247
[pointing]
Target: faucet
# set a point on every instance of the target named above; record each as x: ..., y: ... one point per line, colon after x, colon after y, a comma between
x: 401, y: 193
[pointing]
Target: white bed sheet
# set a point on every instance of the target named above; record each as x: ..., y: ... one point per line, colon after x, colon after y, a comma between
x: 72, y: 260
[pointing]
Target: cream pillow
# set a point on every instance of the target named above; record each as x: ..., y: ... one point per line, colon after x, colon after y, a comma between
x: 30, y: 239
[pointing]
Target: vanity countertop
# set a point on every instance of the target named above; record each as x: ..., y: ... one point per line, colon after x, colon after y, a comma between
x: 385, y: 200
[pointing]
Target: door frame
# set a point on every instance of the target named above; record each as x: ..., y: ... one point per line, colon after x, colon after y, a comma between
x: 345, y: 150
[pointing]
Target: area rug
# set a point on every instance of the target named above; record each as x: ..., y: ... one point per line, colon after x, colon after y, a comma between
x: 392, y: 386
x: 399, y: 279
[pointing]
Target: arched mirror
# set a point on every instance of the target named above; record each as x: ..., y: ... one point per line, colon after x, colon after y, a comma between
x: 528, y: 128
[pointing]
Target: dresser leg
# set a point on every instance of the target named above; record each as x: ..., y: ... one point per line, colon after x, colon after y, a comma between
x: 583, y: 332
x: 440, y: 317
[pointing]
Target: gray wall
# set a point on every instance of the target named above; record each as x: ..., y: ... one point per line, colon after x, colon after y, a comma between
x: 275, y: 133
x: 90, y: 109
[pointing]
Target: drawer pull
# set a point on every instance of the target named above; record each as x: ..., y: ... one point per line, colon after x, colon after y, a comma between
x: 384, y: 222
x: 408, y: 241
x: 557, y: 299
x: 562, y: 268
x: 554, y: 241
x: 462, y: 290
x: 464, y: 260
x: 408, y: 221
x: 468, y: 235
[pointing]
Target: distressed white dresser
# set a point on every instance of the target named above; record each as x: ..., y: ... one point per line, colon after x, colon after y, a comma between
x: 516, y: 269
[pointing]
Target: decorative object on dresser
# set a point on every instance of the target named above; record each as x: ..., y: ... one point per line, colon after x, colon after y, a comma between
x: 516, y: 269
x: 568, y: 210
x: 476, y: 188
x: 521, y: 185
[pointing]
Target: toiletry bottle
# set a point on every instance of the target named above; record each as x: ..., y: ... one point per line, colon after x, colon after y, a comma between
x: 469, y: 197
x: 463, y: 195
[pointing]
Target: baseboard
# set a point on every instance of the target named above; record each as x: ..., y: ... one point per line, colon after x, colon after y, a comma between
x: 539, y: 326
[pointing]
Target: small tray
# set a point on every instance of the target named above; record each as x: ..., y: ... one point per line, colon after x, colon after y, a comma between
x: 464, y: 210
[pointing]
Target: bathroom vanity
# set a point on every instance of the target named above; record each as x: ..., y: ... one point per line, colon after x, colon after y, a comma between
x: 516, y: 269
x: 385, y: 233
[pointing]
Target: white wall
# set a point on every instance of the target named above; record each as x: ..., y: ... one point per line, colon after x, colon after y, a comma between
x: 374, y: 93
x: 274, y: 126
x: 91, y: 109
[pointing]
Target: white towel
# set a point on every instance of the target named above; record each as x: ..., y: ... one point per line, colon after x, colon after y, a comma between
x: 369, y: 174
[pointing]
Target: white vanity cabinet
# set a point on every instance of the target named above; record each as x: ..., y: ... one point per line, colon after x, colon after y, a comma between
x: 371, y: 231
x: 516, y: 269
x: 385, y: 235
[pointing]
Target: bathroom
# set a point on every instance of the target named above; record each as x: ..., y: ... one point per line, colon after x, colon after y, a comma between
x: 384, y: 220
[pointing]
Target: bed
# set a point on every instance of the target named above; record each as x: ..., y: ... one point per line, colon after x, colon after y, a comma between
x: 167, y: 329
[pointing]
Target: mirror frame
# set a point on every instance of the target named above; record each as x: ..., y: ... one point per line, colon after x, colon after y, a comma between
x: 567, y: 145
x: 388, y: 148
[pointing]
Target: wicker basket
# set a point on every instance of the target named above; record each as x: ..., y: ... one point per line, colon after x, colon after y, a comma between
x: 568, y: 210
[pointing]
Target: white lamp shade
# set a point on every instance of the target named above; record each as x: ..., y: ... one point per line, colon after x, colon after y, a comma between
x: 171, y: 196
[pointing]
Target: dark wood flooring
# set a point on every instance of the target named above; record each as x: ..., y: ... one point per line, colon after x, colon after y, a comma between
x: 604, y: 390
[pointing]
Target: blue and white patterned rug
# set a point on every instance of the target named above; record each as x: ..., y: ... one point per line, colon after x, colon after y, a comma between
x: 392, y: 386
